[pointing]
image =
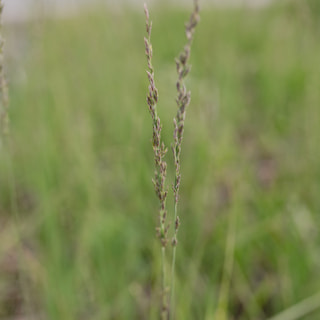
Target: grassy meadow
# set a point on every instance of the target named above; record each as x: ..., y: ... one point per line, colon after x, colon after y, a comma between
x: 77, y: 205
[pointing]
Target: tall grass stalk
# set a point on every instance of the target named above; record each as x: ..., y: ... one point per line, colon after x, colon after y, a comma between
x: 160, y: 151
x: 183, y: 100
x: 223, y: 297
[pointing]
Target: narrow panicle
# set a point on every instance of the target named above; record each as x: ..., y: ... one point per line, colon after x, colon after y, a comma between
x: 159, y: 148
x: 160, y: 174
x: 182, y: 100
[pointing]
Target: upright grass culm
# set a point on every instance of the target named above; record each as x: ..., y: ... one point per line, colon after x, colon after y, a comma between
x: 159, y: 149
x: 183, y: 100
x: 4, y: 118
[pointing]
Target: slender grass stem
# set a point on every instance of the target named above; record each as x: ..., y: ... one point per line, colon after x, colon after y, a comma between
x: 173, y: 266
x: 222, y: 307
x: 164, y: 307
x: 300, y: 309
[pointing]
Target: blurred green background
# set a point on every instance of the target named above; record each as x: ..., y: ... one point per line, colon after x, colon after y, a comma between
x: 77, y: 206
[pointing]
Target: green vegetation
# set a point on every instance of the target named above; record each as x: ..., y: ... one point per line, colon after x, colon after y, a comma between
x: 77, y: 205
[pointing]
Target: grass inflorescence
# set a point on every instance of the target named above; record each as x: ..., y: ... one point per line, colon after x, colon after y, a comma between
x: 160, y: 150
x: 82, y: 160
x: 183, y: 100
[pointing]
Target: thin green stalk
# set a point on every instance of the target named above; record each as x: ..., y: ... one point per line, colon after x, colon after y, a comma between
x: 164, y: 307
x: 174, y: 250
x: 300, y: 310
x: 222, y: 307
